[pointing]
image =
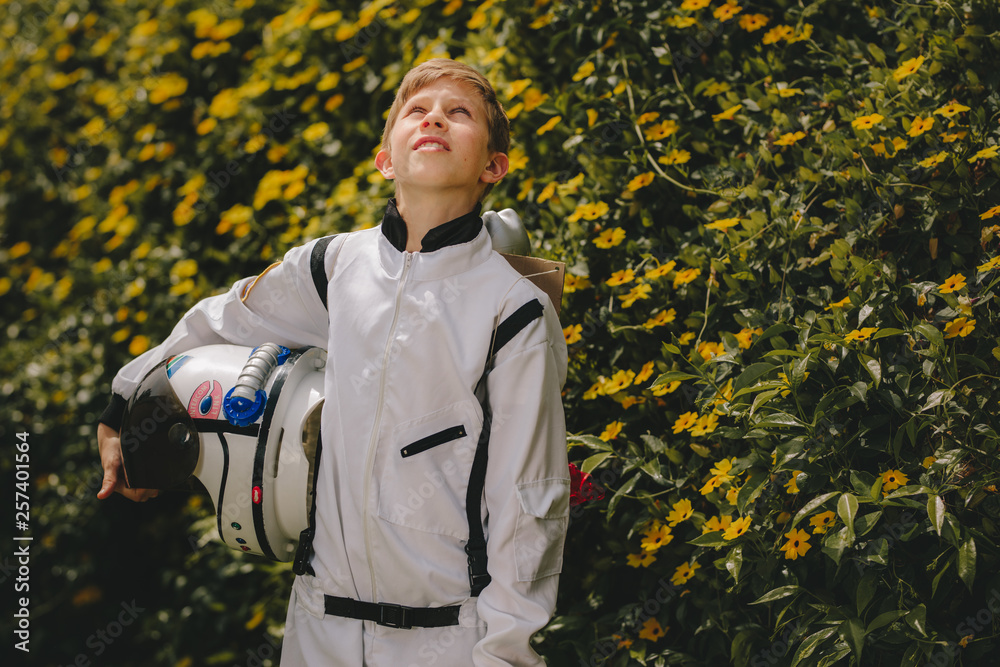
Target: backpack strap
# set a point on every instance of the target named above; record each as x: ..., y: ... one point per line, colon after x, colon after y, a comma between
x: 479, y: 576
x: 317, y: 265
x: 303, y: 555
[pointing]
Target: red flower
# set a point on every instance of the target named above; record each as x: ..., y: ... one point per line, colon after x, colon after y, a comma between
x: 581, y: 488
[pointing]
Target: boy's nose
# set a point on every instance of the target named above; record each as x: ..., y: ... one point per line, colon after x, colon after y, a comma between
x: 436, y: 122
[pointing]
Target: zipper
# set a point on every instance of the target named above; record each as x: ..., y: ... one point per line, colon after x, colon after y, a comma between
x: 372, y: 443
x: 433, y: 440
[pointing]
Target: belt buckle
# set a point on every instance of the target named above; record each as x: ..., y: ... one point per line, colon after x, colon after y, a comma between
x: 394, y: 616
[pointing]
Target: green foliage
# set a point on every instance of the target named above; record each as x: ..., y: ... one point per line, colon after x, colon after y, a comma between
x: 796, y: 353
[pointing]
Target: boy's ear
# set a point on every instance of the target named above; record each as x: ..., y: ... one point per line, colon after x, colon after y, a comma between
x: 383, y: 162
x: 496, y: 169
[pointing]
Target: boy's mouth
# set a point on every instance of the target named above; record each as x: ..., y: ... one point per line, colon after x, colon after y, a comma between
x: 431, y: 143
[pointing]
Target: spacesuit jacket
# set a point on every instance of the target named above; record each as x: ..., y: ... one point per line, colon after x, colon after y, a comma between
x: 408, y: 334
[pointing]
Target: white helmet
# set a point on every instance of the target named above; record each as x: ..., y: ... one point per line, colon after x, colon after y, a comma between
x: 253, y: 448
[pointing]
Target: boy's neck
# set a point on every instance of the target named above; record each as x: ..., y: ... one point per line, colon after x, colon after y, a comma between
x: 425, y: 211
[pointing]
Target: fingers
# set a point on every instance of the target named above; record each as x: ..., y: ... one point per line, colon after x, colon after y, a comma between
x: 109, y: 444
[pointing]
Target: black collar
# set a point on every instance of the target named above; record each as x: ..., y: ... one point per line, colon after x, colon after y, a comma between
x: 460, y: 230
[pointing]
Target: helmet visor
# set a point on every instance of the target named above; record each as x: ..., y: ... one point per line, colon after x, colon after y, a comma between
x: 160, y: 444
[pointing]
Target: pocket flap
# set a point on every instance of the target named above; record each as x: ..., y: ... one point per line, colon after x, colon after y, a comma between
x: 545, y: 499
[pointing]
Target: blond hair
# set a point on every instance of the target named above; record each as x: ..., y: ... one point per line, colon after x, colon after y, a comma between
x: 426, y: 73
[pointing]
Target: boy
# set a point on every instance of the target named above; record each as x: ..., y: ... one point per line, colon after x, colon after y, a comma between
x: 412, y: 308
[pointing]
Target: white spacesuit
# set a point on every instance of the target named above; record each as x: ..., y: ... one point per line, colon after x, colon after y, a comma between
x: 408, y: 337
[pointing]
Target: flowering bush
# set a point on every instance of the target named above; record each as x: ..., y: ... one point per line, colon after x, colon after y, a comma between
x: 778, y: 224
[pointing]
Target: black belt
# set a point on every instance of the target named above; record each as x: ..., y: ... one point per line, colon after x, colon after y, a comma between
x: 392, y: 615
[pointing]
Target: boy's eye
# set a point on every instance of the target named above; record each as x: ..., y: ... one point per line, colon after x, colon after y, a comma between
x: 461, y: 110
x: 416, y: 110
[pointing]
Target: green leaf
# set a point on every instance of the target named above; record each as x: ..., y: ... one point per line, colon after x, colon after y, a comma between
x: 931, y: 333
x: 592, y: 462
x: 713, y: 539
x: 778, y: 593
x: 847, y: 509
x: 865, y: 591
x: 750, y: 375
x: 671, y: 376
x: 938, y: 576
x: 751, y: 490
x: 591, y: 441
x: 937, y: 398
x: 672, y: 349
x: 885, y: 333
x: 936, y: 512
x: 779, y: 419
x: 620, y: 493
x: 811, y: 643
x: 967, y: 562
x: 810, y: 506
x: 885, y: 619
x: 873, y: 366
x: 762, y: 398
x: 917, y: 619
x: 734, y: 561
x: 854, y: 634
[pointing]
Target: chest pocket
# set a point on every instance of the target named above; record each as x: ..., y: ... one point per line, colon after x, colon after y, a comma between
x: 426, y: 464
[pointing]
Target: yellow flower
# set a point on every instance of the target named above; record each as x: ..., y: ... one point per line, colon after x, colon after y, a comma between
x: 661, y: 270
x: 138, y: 345
x: 620, y: 380
x: 681, y: 511
x: 950, y: 110
x: 990, y: 265
x: 920, y: 125
x: 860, y: 334
x: 651, y: 629
x: 865, y: 122
x: 928, y: 461
x: 797, y: 545
x: 660, y: 319
x: 657, y: 536
x: 778, y: 33
x: 640, y: 181
x: 517, y: 87
x: 609, y: 238
x: 934, y: 160
x: 799, y: 36
x: 737, y: 528
x: 705, y: 424
x: 686, y: 337
x: 893, y: 479
x: 722, y: 469
x: 745, y: 337
x: 692, y: 5
x: 788, y: 92
x: 908, y: 68
x: 952, y: 137
x: 640, y: 291
x: 572, y: 333
x: 586, y: 69
x: 681, y: 21
x: 593, y: 211
x: 574, y: 283
x: 661, y: 130
x: 685, y: 421
x: 685, y: 276
x: 596, y: 389
x: 717, y: 523
x: 985, y: 154
x: 675, y: 156
x: 716, y: 89
x: 315, y: 132
x: 822, y: 522
x: 991, y: 213
x: 790, y: 138
x: 961, y: 326
x: 666, y: 388
x: 648, y: 117
x: 645, y: 373
x: 952, y: 284
x: 534, y: 98
x: 611, y: 431
x: 620, y: 277
x: 641, y: 560
x: 549, y: 124
x: 752, y: 22
x: 727, y: 11
x: 727, y: 114
x: 683, y: 573
x: 792, y: 486
x: 724, y: 223
x: 708, y: 350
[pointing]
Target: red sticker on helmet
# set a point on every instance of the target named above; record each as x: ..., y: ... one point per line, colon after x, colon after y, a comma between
x: 206, y: 401
x: 256, y: 495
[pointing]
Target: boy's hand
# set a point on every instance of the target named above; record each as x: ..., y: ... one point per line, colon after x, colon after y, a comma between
x: 110, y: 445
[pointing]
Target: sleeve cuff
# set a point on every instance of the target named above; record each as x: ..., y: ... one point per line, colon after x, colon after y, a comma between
x: 114, y: 413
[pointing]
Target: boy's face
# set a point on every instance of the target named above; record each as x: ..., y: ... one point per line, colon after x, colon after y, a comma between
x: 439, y: 143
